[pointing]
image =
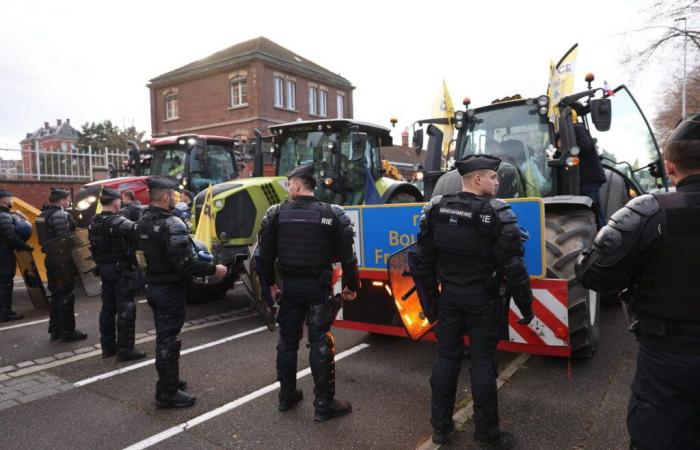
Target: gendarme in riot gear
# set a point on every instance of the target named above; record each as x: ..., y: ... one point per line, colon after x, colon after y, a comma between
x: 470, y: 243
x: 305, y: 236
x: 10, y: 241
x: 651, y: 249
x: 55, y: 228
x: 112, y: 245
x: 166, y: 250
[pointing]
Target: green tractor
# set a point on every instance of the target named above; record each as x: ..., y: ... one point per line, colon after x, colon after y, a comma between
x: 346, y: 157
x: 519, y: 131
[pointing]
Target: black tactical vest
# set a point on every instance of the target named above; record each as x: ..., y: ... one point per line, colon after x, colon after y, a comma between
x: 42, y: 226
x: 151, y: 232
x: 105, y: 247
x: 305, y: 232
x: 668, y: 287
x: 463, y: 233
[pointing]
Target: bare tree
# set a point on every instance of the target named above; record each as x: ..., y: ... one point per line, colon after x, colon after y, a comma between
x: 669, y: 113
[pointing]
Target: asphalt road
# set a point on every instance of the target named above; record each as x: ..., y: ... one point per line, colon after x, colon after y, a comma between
x: 60, y: 395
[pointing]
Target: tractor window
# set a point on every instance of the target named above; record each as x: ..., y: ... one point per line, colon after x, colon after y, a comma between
x: 212, y: 164
x: 629, y: 145
x: 519, y: 136
x: 168, y: 162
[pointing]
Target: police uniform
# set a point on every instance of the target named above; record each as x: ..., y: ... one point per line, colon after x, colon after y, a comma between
x: 471, y: 245
x: 305, y: 236
x: 171, y: 261
x: 651, y: 249
x: 55, y: 224
x: 132, y: 211
x: 9, y: 243
x: 112, y: 245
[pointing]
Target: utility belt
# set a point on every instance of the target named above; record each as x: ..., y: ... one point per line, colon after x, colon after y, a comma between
x: 321, y: 274
x: 659, y: 327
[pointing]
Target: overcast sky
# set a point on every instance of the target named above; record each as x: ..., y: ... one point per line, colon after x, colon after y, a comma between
x: 91, y: 60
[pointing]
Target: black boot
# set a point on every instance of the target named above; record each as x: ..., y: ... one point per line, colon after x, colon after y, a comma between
x: 501, y: 441
x: 442, y: 435
x: 287, y: 400
x: 322, y: 361
x: 10, y: 315
x: 68, y: 331
x: 130, y: 355
x: 167, y: 364
x: 181, y: 384
x: 108, y: 351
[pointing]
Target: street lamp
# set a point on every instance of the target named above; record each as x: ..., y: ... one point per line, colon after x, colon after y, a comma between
x: 685, y: 72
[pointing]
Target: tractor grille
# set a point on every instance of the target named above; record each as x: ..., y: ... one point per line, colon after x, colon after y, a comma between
x: 270, y: 194
x: 236, y: 219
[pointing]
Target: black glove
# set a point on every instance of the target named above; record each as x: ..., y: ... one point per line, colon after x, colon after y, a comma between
x: 527, y: 316
x: 523, y: 298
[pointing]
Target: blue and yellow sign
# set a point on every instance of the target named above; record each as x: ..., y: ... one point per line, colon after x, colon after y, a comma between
x: 385, y: 229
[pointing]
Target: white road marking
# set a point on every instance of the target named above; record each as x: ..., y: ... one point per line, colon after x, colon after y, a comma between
x: 152, y: 360
x: 61, y: 362
x: 465, y: 414
x: 170, y: 432
x: 25, y: 324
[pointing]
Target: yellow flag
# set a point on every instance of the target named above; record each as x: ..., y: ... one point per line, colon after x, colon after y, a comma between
x: 206, y: 231
x: 561, y: 81
x: 443, y: 108
x: 98, y: 208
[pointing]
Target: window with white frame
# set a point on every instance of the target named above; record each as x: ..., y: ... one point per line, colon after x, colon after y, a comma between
x: 340, y: 106
x: 171, y: 110
x: 291, y: 95
x: 323, y: 103
x: 313, y: 99
x: 279, y: 92
x: 239, y: 91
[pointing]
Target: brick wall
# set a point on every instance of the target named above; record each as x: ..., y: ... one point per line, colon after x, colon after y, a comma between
x: 204, y: 102
x: 36, y: 193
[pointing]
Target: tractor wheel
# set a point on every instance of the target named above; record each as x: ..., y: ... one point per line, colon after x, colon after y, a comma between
x: 566, y: 236
x: 200, y: 292
x: 402, y: 197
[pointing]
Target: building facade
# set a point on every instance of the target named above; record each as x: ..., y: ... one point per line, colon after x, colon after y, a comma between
x: 250, y: 85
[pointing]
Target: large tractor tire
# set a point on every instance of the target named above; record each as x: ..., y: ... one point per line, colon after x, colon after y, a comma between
x: 567, y: 234
x: 403, y: 197
x: 200, y: 292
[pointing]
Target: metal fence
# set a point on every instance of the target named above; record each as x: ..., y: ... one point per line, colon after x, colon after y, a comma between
x: 58, y: 165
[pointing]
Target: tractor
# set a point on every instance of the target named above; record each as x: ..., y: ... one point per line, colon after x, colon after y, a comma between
x: 346, y: 157
x: 541, y: 160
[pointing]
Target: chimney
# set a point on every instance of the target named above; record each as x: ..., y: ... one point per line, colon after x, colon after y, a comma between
x: 46, y: 125
x: 58, y: 122
x: 404, y: 138
x: 68, y: 121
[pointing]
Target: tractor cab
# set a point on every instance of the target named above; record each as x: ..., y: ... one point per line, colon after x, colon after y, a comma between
x: 346, y: 159
x: 195, y: 161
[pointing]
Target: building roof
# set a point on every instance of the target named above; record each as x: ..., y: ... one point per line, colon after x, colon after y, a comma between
x: 260, y: 48
x: 61, y: 130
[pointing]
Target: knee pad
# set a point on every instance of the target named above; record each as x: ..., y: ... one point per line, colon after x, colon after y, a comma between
x: 169, y: 349
x: 320, y: 314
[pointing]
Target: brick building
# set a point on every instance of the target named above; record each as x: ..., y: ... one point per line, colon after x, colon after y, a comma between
x: 61, y: 137
x: 250, y: 85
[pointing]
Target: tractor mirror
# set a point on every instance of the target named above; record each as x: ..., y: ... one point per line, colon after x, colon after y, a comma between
x: 601, y: 113
x: 359, y: 142
x: 418, y: 140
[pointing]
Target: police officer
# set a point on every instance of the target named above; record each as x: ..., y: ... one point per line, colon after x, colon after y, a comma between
x: 9, y: 243
x: 171, y: 261
x: 651, y: 248
x: 471, y: 243
x: 112, y: 245
x: 304, y: 236
x: 131, y: 208
x: 54, y: 224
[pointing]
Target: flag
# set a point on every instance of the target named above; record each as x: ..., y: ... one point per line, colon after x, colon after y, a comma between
x: 372, y: 196
x: 443, y: 108
x: 561, y: 81
x: 206, y: 231
x: 98, y: 208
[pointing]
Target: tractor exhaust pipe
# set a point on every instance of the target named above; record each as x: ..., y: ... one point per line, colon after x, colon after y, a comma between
x: 258, y: 155
x: 433, y: 161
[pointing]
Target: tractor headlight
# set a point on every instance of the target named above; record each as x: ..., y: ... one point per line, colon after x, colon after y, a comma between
x: 459, y: 124
x: 572, y: 161
x: 543, y: 110
x: 180, y: 142
x: 459, y: 115
x: 191, y: 141
x: 85, y: 203
x: 575, y: 151
x: 218, y: 204
x: 542, y: 100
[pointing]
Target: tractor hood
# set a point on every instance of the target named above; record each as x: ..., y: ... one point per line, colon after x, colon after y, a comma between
x: 238, y: 206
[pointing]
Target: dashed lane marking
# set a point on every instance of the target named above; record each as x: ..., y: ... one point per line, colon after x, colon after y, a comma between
x: 170, y: 432
x: 462, y: 416
x: 152, y: 360
x: 25, y: 324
